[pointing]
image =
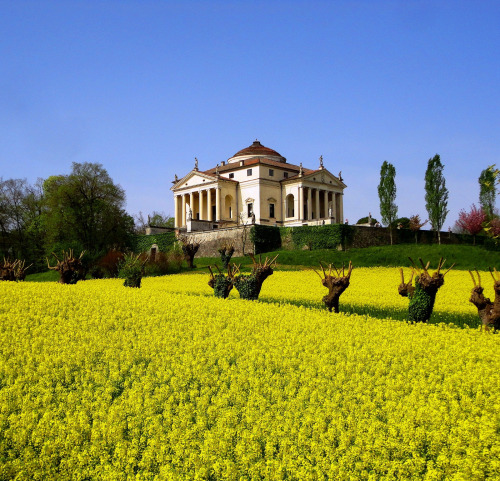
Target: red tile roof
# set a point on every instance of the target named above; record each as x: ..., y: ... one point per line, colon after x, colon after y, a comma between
x: 257, y: 149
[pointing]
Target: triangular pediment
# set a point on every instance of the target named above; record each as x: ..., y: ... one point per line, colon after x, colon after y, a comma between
x: 320, y: 176
x: 194, y: 178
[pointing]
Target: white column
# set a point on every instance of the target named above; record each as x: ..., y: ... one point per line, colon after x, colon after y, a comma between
x: 301, y: 203
x: 176, y: 210
x: 317, y: 204
x: 309, y: 203
x: 191, y: 204
x: 200, y: 203
x: 341, y: 207
x: 183, y: 211
x: 217, y: 204
x: 325, y: 203
x: 209, y: 204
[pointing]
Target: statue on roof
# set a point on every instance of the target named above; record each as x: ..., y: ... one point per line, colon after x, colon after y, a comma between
x: 321, y: 162
x: 176, y: 179
x: 340, y: 176
x: 217, y: 170
x: 195, y: 163
x: 301, y: 171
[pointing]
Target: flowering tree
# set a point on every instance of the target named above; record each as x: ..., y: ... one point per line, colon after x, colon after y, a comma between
x: 416, y: 224
x: 472, y: 222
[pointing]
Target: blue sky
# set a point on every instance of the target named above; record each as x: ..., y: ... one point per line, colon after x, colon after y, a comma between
x: 145, y: 86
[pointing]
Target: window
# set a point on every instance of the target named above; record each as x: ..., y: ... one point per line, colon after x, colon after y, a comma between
x: 285, y: 174
x: 249, y: 171
x: 271, y: 211
x: 271, y: 172
x: 249, y: 209
x: 231, y: 176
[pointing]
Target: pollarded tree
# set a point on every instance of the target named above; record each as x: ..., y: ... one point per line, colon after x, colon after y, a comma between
x: 472, y: 222
x: 387, y: 195
x: 436, y: 194
x: 423, y: 295
x: 487, y: 190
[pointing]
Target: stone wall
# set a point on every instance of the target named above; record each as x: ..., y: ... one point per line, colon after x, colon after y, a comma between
x: 212, y: 240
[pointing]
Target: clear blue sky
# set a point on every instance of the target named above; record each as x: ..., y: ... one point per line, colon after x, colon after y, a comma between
x: 145, y: 86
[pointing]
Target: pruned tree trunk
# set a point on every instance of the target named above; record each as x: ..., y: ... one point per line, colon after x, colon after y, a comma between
x: 70, y: 268
x: 336, y: 285
x: 249, y: 286
x: 13, y: 271
x: 222, y: 284
x: 423, y: 295
x: 189, y: 248
x: 483, y: 304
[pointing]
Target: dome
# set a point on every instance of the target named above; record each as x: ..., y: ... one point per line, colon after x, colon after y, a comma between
x: 256, y: 150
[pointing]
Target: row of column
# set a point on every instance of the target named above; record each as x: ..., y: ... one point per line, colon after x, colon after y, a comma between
x: 318, y: 208
x: 196, y: 202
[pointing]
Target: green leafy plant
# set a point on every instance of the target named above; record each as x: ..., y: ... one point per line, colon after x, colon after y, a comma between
x: 132, y: 270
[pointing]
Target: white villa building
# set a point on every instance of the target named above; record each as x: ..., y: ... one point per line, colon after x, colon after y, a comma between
x: 257, y: 185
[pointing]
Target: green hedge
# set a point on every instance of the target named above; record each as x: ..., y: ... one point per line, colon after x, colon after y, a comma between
x: 329, y: 236
x: 142, y: 243
x: 265, y: 238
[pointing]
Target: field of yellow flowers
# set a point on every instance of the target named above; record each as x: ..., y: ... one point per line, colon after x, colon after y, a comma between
x: 166, y: 382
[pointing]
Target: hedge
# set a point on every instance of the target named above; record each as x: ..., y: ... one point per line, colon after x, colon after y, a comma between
x: 142, y: 243
x: 329, y: 236
x: 265, y: 238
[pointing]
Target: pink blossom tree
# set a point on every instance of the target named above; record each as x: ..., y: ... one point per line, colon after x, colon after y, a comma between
x: 471, y: 222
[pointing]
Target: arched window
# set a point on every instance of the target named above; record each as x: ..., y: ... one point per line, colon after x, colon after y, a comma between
x: 290, y: 205
x: 228, y: 207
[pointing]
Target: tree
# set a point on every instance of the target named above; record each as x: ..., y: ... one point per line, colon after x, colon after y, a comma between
x: 487, y: 190
x: 387, y: 195
x: 436, y: 194
x: 85, y: 210
x: 472, y: 222
x: 416, y: 224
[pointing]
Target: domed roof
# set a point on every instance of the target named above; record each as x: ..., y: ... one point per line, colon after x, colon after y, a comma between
x: 257, y: 150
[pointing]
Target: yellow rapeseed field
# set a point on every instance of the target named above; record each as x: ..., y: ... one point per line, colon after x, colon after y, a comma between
x: 167, y: 382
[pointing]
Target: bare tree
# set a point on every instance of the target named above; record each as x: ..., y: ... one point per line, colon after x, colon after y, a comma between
x: 336, y: 284
x: 70, y: 268
x: 189, y: 247
x: 483, y: 304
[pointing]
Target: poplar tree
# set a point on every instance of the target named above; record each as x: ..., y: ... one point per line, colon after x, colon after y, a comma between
x: 436, y: 194
x: 487, y: 190
x: 387, y: 195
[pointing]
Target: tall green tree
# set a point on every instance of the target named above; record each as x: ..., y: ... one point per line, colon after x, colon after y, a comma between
x: 436, y: 194
x: 387, y: 195
x: 85, y: 210
x: 487, y: 190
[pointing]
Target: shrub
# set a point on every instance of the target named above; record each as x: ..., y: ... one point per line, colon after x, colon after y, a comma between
x: 132, y: 270
x: 110, y: 263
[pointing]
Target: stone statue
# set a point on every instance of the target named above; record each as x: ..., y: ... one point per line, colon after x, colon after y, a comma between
x: 217, y: 170
x: 195, y: 163
x: 189, y: 212
x: 321, y: 162
x: 301, y: 171
x: 340, y: 176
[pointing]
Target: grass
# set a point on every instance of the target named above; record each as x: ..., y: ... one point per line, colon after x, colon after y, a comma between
x: 466, y: 257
